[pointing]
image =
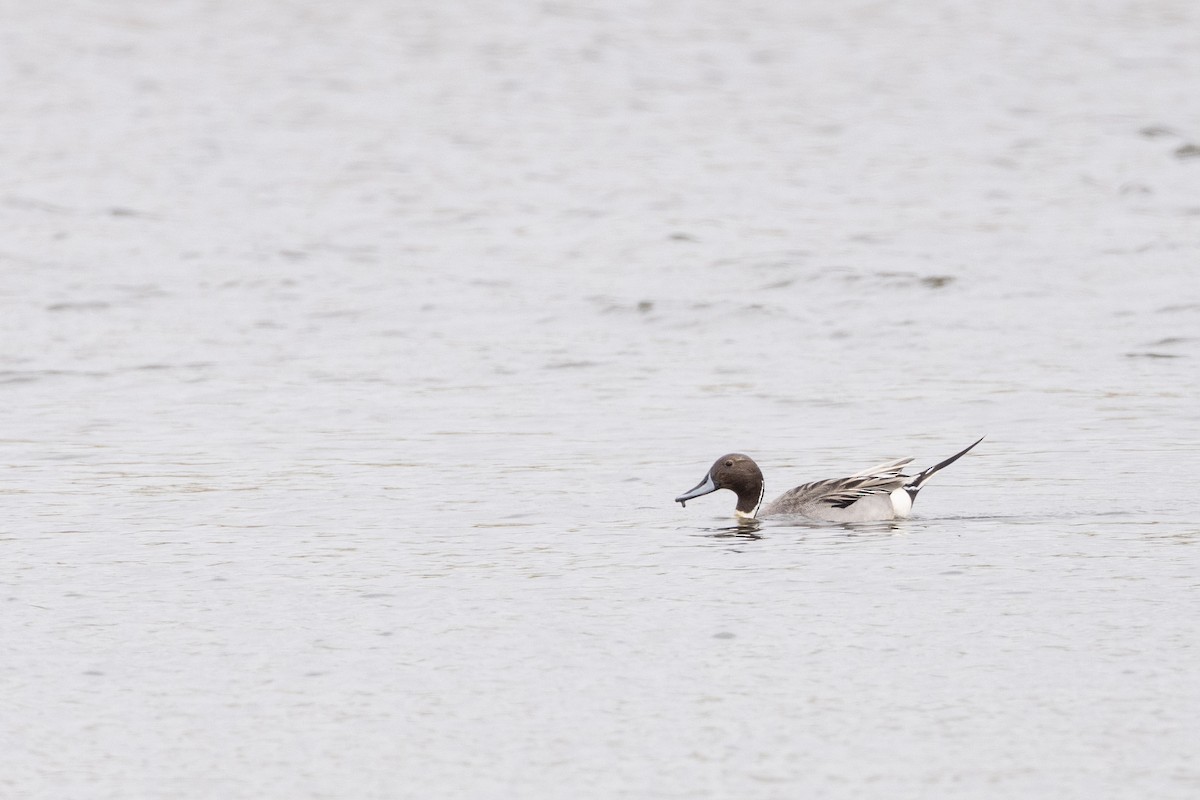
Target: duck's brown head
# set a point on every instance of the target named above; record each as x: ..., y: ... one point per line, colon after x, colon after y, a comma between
x: 735, y: 472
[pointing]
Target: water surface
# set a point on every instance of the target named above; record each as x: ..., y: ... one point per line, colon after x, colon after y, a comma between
x: 351, y: 359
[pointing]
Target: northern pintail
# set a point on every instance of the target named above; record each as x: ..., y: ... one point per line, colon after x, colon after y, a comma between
x: 880, y: 493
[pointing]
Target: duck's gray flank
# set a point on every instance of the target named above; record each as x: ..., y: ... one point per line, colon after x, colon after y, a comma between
x: 880, y: 493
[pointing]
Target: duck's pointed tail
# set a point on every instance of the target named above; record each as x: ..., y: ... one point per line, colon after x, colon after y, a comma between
x: 914, y: 486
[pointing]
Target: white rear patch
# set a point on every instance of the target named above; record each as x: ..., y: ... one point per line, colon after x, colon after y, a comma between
x: 901, y: 503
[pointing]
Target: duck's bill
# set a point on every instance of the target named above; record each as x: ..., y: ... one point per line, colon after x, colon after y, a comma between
x: 705, y: 486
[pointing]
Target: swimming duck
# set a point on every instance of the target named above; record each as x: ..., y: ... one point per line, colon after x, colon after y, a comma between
x: 880, y: 493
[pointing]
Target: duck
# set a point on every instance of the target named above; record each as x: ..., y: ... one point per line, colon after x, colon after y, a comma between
x: 880, y: 493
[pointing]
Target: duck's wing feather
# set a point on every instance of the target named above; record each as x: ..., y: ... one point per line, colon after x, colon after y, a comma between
x: 841, y: 492
x: 894, y: 468
x: 882, y: 479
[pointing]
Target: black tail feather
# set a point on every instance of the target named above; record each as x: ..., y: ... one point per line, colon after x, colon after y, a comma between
x: 920, y: 478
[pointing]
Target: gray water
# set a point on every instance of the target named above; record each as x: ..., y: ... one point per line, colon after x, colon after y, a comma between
x: 351, y: 357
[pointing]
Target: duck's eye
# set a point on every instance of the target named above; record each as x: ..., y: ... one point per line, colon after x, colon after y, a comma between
x: 729, y: 463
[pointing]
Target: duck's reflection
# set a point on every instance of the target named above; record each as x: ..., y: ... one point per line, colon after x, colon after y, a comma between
x: 755, y: 529
x: 747, y: 529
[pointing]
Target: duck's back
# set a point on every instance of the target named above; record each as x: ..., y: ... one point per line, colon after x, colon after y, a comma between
x: 863, y: 497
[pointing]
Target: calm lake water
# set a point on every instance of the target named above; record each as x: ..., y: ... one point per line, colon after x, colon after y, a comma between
x: 351, y: 358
